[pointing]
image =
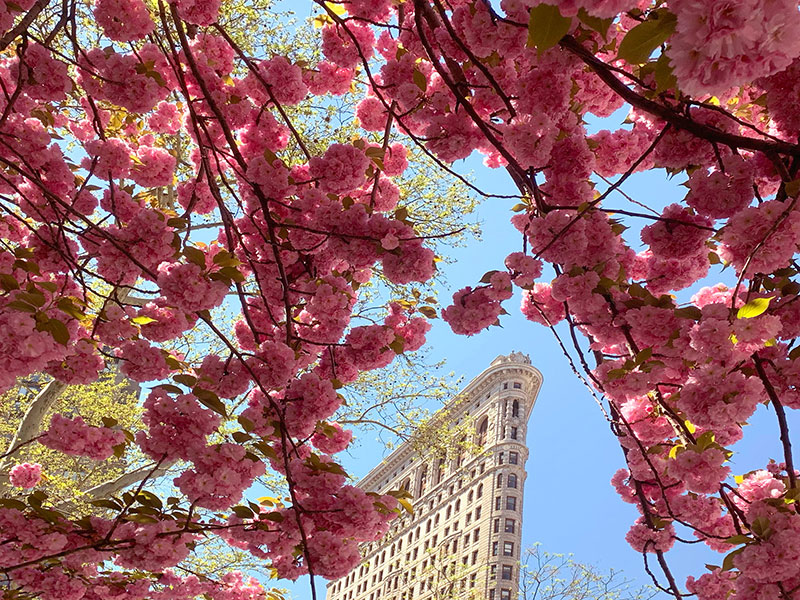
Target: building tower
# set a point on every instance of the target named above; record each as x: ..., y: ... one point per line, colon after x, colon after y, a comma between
x: 463, y: 540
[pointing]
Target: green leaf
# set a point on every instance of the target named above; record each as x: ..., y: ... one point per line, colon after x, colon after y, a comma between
x: 12, y: 503
x: 666, y: 80
x: 106, y: 503
x: 792, y: 188
x: 67, y: 306
x: 58, y: 330
x: 689, y: 312
x: 211, y: 400
x: 739, y: 539
x: 397, y: 345
x: 595, y: 23
x: 640, y: 42
x: 428, y: 311
x: 755, y: 307
x: 8, y: 282
x: 406, y: 505
x: 185, y: 379
x: 21, y: 306
x: 36, y: 298
x: 243, y: 512
x: 727, y: 564
x: 420, y: 80
x: 643, y: 356
x: 232, y: 273
x: 246, y: 424
x: 172, y: 389
x: 487, y: 277
x: 149, y: 499
x: 195, y: 255
x: 546, y: 27
x: 139, y: 518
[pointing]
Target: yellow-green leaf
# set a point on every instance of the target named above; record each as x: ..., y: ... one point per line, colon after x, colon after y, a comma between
x: 640, y: 42
x: 546, y: 27
x: 755, y: 307
x: 143, y: 320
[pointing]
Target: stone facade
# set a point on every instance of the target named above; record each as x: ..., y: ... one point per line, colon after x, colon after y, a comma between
x: 463, y: 540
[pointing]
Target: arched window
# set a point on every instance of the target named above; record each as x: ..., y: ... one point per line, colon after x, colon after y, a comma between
x: 423, y: 480
x: 406, y: 485
x: 483, y: 428
x: 511, y: 481
x: 515, y: 408
x: 480, y: 490
x: 439, y: 472
x: 469, y: 496
x: 462, y: 451
x: 499, y: 480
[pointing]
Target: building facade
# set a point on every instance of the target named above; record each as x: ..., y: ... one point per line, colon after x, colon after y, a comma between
x: 463, y: 539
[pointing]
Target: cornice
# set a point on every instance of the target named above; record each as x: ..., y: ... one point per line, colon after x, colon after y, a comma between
x: 500, y: 368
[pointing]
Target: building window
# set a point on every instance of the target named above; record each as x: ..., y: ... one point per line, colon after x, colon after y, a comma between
x: 491, y: 594
x: 499, y: 480
x: 494, y: 548
x: 455, y: 545
x: 510, y: 525
x: 508, y: 548
x: 423, y: 481
x: 493, y: 572
x: 497, y: 525
x: 475, y: 557
x: 513, y: 433
x: 517, y: 385
x: 498, y: 503
x: 513, y: 458
x: 500, y: 458
x: 511, y: 503
x: 469, y: 496
x: 511, y: 481
x: 483, y: 428
x: 448, y: 512
x: 468, y: 518
x: 475, y: 535
x: 505, y: 386
x: 508, y: 572
x: 477, y: 513
x: 458, y: 505
x: 515, y: 408
x: 480, y: 490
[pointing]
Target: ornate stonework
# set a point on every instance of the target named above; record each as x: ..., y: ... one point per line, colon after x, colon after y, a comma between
x: 463, y: 540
